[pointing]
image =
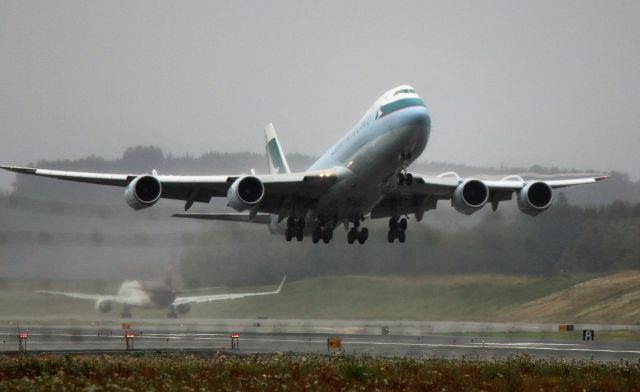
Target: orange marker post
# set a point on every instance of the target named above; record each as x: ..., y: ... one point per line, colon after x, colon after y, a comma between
x: 128, y: 339
x: 22, y: 341
x: 235, y: 337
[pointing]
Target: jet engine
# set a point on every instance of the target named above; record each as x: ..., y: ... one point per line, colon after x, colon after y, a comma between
x: 470, y: 196
x: 535, y: 198
x: 183, y: 308
x: 142, y: 192
x: 245, y: 192
x: 103, y: 305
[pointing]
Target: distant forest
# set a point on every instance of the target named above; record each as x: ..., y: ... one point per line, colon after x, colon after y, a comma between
x: 589, y: 229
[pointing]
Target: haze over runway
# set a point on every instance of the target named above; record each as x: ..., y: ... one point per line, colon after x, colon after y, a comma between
x: 510, y: 84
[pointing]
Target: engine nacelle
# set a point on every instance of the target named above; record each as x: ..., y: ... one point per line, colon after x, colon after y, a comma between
x: 142, y: 192
x: 245, y: 192
x: 535, y: 198
x: 103, y: 305
x: 470, y: 196
x: 183, y: 308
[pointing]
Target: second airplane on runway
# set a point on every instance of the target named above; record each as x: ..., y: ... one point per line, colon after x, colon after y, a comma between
x: 364, y: 175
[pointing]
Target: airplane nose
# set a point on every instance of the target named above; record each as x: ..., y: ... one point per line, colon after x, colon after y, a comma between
x: 414, y: 120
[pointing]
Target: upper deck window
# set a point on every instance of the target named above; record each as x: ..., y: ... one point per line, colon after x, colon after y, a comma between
x: 405, y: 91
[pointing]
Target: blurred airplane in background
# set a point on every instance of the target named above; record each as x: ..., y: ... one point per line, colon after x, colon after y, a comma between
x: 157, y: 295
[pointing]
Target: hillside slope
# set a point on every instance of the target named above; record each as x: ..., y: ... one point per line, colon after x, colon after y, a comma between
x: 608, y: 299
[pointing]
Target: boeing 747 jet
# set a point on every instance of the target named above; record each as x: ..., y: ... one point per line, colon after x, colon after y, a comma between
x: 363, y: 176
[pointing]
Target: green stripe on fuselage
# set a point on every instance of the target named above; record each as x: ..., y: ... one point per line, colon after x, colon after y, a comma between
x: 399, y: 104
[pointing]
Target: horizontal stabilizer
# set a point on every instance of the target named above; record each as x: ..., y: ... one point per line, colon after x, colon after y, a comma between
x: 227, y: 216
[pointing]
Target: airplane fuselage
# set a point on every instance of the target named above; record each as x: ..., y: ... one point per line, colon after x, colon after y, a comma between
x: 146, y: 294
x: 389, y: 137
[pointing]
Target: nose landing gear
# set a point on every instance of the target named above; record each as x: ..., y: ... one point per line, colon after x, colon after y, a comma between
x: 405, y: 178
x: 397, y: 230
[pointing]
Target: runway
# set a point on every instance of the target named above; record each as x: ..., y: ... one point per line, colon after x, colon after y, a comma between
x: 181, y: 337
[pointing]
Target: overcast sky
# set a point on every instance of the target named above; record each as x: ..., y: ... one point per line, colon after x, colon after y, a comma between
x: 513, y: 83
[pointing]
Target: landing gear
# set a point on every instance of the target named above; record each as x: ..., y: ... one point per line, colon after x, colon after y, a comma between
x: 397, y: 229
x: 295, y: 228
x: 172, y: 313
x: 354, y: 234
x: 324, y: 233
x: 405, y: 178
x: 360, y: 235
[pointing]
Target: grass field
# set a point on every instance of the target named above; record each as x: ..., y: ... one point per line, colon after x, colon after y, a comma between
x: 283, y: 372
x: 467, y: 297
x: 605, y: 299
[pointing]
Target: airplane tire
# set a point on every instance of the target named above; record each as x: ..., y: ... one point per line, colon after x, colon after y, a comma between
x: 402, y: 237
x: 400, y: 179
x: 351, y: 236
x: 393, y: 224
x: 363, y: 236
x: 326, y: 236
x: 403, y: 224
x: 315, y: 237
x: 288, y: 235
x: 408, y: 178
x: 391, y: 236
x: 299, y: 234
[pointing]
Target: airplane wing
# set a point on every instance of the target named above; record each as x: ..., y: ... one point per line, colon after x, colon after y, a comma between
x: 220, y: 297
x: 425, y: 191
x: 278, y: 187
x: 86, y: 296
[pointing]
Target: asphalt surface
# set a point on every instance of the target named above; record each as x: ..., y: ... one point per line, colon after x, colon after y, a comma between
x: 181, y: 337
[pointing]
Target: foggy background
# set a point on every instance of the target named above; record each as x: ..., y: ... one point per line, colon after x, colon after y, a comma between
x: 188, y: 87
x: 507, y: 83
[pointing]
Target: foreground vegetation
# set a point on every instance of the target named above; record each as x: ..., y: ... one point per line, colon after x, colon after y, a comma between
x: 281, y: 372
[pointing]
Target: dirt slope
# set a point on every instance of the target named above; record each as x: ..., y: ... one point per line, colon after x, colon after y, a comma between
x: 608, y: 299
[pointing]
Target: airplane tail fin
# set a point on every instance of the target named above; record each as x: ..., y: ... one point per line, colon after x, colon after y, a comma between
x: 275, y: 156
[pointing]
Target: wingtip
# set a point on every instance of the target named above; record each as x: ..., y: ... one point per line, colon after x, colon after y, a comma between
x: 603, y: 177
x: 19, y: 169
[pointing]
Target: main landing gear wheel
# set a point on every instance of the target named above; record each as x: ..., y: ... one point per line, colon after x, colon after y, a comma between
x: 360, y: 235
x: 363, y: 235
x: 355, y: 234
x: 397, y: 229
x: 295, y: 228
x: 327, y: 235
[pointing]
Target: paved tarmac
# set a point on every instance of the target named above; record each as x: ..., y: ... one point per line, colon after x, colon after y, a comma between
x: 177, y: 336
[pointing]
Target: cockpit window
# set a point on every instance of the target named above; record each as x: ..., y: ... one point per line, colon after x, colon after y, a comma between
x: 397, y: 105
x: 405, y: 91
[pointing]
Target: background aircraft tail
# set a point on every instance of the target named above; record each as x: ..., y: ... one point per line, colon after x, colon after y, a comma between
x: 275, y: 156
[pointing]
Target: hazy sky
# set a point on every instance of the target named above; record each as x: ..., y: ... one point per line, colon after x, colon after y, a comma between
x: 513, y: 83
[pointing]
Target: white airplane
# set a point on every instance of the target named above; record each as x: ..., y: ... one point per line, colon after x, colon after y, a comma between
x: 364, y: 175
x: 135, y: 293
